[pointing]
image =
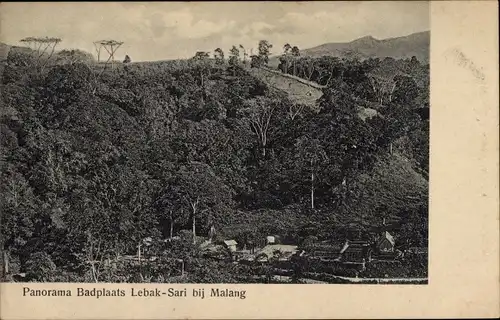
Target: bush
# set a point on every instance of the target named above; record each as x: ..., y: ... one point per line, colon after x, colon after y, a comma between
x: 40, y: 267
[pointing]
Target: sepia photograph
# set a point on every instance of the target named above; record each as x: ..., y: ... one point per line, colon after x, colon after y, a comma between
x: 215, y: 143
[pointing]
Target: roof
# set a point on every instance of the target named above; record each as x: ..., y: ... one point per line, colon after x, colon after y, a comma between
x: 354, y: 245
x: 389, y: 237
x: 230, y: 242
x: 354, y: 250
x: 269, y: 249
x: 344, y: 248
x: 359, y: 243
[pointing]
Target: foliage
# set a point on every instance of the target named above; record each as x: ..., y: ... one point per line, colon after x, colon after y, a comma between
x: 96, y: 160
x: 264, y: 51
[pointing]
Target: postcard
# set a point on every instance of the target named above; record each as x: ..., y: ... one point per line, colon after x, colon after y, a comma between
x: 237, y: 160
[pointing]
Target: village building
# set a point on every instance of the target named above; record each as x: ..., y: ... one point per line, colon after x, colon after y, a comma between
x: 231, y: 245
x: 281, y: 252
x: 386, y: 243
x: 270, y: 240
x: 356, y: 251
x: 326, y: 251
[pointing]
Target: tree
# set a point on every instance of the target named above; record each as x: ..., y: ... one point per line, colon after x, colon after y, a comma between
x: 219, y: 56
x: 264, y: 51
x: 18, y: 217
x: 308, y: 67
x: 200, y: 193
x: 286, y: 58
x: 111, y: 46
x: 405, y: 90
x: 170, y: 210
x: 234, y: 58
x: 202, y: 63
x: 382, y: 89
x: 245, y: 55
x: 294, y: 109
x: 74, y: 56
x: 201, y: 55
x: 40, y: 47
x: 295, y: 54
x: 259, y: 112
x: 255, y: 61
x: 310, y: 154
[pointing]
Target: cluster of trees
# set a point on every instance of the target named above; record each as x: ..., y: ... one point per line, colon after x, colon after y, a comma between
x: 376, y: 80
x: 238, y: 55
x: 93, y: 162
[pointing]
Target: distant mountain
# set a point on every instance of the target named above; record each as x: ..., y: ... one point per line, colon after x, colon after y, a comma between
x: 416, y: 44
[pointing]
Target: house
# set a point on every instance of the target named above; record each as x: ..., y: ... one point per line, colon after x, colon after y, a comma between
x: 356, y: 251
x: 270, y: 240
x: 231, y: 245
x: 281, y: 252
x: 326, y: 250
x: 386, y: 243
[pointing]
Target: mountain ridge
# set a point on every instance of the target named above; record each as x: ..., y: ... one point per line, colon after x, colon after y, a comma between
x: 415, y: 44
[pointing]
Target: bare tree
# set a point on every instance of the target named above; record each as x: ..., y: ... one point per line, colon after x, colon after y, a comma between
x: 294, y: 110
x: 382, y: 88
x: 111, y: 46
x: 310, y: 154
x: 42, y: 48
x: 259, y: 112
x: 94, y: 256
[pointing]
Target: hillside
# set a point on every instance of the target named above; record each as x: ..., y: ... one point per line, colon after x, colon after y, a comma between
x: 157, y: 150
x: 297, y: 90
x: 416, y: 44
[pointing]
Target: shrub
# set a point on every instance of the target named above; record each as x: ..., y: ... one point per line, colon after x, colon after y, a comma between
x: 40, y: 267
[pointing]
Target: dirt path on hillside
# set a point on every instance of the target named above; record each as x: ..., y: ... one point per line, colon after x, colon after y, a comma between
x: 300, y: 91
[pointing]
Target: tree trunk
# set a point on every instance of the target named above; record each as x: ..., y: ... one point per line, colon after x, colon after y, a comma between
x: 194, y: 226
x: 171, y: 225
x: 391, y: 92
x: 5, y: 263
x: 312, y: 186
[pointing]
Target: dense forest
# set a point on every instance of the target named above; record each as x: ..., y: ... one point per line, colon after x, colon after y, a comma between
x: 95, y: 159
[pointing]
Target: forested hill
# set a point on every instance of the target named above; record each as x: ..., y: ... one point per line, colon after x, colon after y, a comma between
x: 106, y: 157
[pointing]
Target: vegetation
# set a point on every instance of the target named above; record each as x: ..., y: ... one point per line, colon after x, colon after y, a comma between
x: 94, y: 161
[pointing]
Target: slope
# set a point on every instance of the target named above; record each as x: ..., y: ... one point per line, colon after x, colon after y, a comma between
x: 300, y: 91
x: 416, y: 44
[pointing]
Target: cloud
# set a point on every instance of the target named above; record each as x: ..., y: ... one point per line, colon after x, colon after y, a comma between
x: 155, y: 30
x: 182, y: 24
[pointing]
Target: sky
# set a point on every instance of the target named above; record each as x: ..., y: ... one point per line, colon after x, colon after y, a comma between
x: 170, y: 30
